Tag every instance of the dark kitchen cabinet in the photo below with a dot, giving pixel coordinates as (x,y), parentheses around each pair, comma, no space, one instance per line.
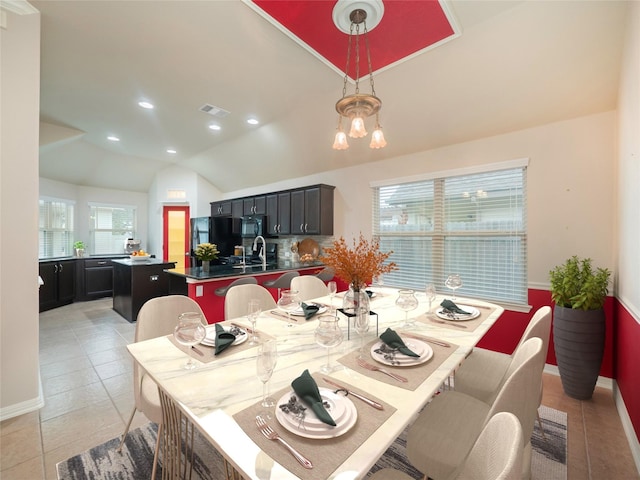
(94,278)
(255,205)
(221,209)
(312,210)
(278,211)
(59,283)
(237,208)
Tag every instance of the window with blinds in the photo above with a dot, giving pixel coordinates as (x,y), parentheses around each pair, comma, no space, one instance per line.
(473,225)
(110,226)
(55,228)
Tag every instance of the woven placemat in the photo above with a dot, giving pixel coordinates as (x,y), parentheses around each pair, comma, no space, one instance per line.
(327,454)
(468,325)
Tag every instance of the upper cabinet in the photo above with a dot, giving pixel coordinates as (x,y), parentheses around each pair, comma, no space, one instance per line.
(312,210)
(221,209)
(255,205)
(279,213)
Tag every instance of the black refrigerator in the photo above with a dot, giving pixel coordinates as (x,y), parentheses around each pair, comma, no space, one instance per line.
(223,231)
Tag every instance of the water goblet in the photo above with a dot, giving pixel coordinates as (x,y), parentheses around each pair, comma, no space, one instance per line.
(453,282)
(430,290)
(289,302)
(328,334)
(189,332)
(333,289)
(407,301)
(253,312)
(265,364)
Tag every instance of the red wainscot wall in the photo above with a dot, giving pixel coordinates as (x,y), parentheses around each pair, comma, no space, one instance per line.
(626,362)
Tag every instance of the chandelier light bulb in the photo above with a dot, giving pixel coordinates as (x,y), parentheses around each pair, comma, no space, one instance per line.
(340,142)
(377,138)
(357,128)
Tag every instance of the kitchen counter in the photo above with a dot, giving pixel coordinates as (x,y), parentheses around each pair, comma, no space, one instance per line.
(217,272)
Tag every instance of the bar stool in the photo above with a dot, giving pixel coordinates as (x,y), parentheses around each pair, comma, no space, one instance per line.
(326,274)
(222,291)
(283,281)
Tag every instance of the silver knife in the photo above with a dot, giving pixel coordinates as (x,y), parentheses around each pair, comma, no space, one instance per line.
(278,314)
(426,339)
(366,400)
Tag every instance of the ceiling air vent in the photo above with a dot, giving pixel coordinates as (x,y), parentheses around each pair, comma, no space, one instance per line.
(214,111)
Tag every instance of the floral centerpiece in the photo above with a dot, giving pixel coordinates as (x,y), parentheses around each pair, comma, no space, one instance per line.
(357,266)
(207,251)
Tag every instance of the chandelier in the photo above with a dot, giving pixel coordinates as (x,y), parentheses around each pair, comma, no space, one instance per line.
(358,106)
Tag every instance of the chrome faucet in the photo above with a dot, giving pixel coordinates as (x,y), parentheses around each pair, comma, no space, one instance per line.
(262,255)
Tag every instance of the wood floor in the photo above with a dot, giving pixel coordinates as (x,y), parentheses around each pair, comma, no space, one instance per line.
(87,376)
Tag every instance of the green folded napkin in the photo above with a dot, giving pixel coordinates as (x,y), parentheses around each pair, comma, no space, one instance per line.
(391,338)
(309,310)
(307,389)
(223,339)
(369,293)
(452,307)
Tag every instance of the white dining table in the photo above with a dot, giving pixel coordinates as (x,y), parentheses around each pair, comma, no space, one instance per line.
(213,392)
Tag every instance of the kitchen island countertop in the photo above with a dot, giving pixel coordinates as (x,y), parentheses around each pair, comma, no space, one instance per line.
(217,272)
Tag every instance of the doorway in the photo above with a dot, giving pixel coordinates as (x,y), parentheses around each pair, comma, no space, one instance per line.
(175,235)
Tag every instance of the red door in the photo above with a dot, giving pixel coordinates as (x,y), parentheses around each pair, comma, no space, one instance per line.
(175,235)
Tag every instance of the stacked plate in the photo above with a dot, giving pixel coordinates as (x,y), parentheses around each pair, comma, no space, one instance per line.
(399,359)
(341,409)
(300,313)
(210,339)
(459,317)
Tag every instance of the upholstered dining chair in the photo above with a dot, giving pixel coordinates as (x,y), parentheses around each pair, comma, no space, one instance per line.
(496,454)
(444,432)
(483,371)
(236,302)
(157,317)
(309,286)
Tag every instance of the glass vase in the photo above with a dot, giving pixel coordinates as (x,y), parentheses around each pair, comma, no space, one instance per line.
(205,265)
(356,305)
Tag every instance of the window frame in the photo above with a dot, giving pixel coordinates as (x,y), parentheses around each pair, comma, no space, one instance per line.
(93,244)
(47,230)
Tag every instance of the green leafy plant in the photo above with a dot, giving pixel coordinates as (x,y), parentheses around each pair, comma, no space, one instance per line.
(79,245)
(207,251)
(575,284)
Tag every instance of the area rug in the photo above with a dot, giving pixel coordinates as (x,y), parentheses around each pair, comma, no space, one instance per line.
(135,462)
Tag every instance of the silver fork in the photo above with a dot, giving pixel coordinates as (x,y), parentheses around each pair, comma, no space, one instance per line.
(375,368)
(271,434)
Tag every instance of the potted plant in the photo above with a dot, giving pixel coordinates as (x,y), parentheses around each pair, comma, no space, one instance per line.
(579,292)
(206,252)
(79,247)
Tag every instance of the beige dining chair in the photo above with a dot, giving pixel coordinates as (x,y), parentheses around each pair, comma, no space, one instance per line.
(157,317)
(236,302)
(308,287)
(483,371)
(444,432)
(496,454)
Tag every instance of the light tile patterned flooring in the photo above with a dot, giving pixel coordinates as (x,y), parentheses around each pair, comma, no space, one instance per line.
(87,381)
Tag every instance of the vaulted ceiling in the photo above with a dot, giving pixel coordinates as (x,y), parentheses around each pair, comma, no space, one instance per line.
(503,66)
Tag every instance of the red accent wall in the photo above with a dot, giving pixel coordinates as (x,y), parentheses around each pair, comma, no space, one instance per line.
(626,361)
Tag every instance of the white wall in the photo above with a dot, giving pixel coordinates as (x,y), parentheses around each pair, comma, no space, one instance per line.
(570,185)
(628,286)
(19,100)
(82,196)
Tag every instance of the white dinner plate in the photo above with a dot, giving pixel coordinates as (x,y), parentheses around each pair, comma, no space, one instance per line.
(473,313)
(300,313)
(400,360)
(210,339)
(341,409)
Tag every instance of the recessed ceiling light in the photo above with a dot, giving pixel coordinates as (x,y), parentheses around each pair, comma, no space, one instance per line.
(113,138)
(215,126)
(171,151)
(253,121)
(145,104)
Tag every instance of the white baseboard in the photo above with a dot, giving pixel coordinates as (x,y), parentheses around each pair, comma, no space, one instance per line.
(27,406)
(634,444)
(603,382)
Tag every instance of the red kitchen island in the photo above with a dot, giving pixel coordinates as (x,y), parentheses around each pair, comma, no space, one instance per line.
(201,286)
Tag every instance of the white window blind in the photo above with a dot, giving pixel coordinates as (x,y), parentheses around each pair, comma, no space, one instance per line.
(55,228)
(110,226)
(473,225)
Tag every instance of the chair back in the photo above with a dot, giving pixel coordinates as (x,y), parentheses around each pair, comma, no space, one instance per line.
(497,453)
(308,287)
(236,302)
(539,326)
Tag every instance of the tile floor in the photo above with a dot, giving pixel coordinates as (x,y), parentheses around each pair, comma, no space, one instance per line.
(87,376)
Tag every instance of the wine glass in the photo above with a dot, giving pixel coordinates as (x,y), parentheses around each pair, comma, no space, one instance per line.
(407,301)
(430,290)
(453,282)
(361,324)
(328,334)
(253,312)
(265,364)
(333,289)
(289,302)
(189,332)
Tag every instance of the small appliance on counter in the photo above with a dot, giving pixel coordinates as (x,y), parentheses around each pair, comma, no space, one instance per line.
(131,245)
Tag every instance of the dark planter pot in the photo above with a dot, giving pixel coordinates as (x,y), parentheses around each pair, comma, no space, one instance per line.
(578,337)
